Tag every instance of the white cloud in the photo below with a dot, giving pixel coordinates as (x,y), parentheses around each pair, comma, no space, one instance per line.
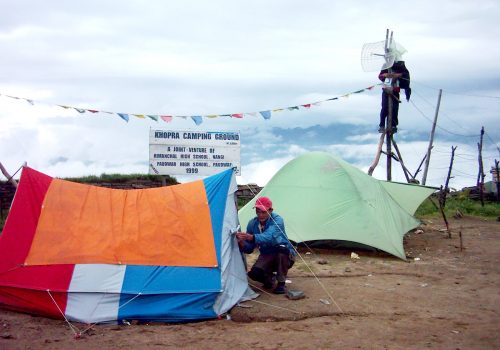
(366,137)
(198,58)
(261,172)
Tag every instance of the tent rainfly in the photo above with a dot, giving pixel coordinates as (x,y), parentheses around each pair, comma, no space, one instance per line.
(93,254)
(322,197)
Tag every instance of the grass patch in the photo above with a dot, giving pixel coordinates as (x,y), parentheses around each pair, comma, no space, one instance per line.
(465,205)
(242,202)
(122,178)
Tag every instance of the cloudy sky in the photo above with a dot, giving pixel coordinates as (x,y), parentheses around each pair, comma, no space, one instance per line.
(193,57)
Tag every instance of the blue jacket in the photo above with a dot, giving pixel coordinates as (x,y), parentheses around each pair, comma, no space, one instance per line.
(271,238)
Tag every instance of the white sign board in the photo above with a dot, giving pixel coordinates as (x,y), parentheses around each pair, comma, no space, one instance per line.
(174,152)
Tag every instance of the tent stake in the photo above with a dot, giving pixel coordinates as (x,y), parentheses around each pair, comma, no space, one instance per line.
(461,241)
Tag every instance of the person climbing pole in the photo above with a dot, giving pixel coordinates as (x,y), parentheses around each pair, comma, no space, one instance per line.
(390,93)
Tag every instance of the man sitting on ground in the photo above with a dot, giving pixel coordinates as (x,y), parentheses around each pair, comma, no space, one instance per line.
(267,232)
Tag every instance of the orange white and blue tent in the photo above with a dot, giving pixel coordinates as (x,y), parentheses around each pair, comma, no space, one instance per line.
(94,254)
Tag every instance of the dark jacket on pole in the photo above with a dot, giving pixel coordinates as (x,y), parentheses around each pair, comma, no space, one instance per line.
(402,82)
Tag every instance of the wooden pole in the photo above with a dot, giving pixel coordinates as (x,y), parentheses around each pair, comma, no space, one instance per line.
(388,134)
(418,169)
(427,160)
(405,170)
(377,157)
(6,174)
(497,181)
(441,209)
(393,156)
(479,157)
(388,128)
(461,240)
(386,41)
(446,190)
(480,175)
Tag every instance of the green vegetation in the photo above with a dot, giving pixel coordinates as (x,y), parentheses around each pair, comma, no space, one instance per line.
(120,178)
(462,203)
(242,202)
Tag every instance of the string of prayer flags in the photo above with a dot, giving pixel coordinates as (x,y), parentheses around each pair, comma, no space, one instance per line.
(198,119)
(124,116)
(266,114)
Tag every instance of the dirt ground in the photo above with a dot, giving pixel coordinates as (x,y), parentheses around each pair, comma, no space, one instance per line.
(441,298)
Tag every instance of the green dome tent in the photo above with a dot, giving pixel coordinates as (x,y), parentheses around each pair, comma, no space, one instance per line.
(322,197)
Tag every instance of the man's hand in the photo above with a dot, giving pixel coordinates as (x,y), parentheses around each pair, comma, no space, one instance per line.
(243,236)
(391,75)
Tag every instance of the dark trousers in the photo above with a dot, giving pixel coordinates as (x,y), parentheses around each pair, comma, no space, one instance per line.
(384,112)
(266,264)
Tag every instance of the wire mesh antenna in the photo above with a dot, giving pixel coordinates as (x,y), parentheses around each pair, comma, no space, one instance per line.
(381,54)
(374,57)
